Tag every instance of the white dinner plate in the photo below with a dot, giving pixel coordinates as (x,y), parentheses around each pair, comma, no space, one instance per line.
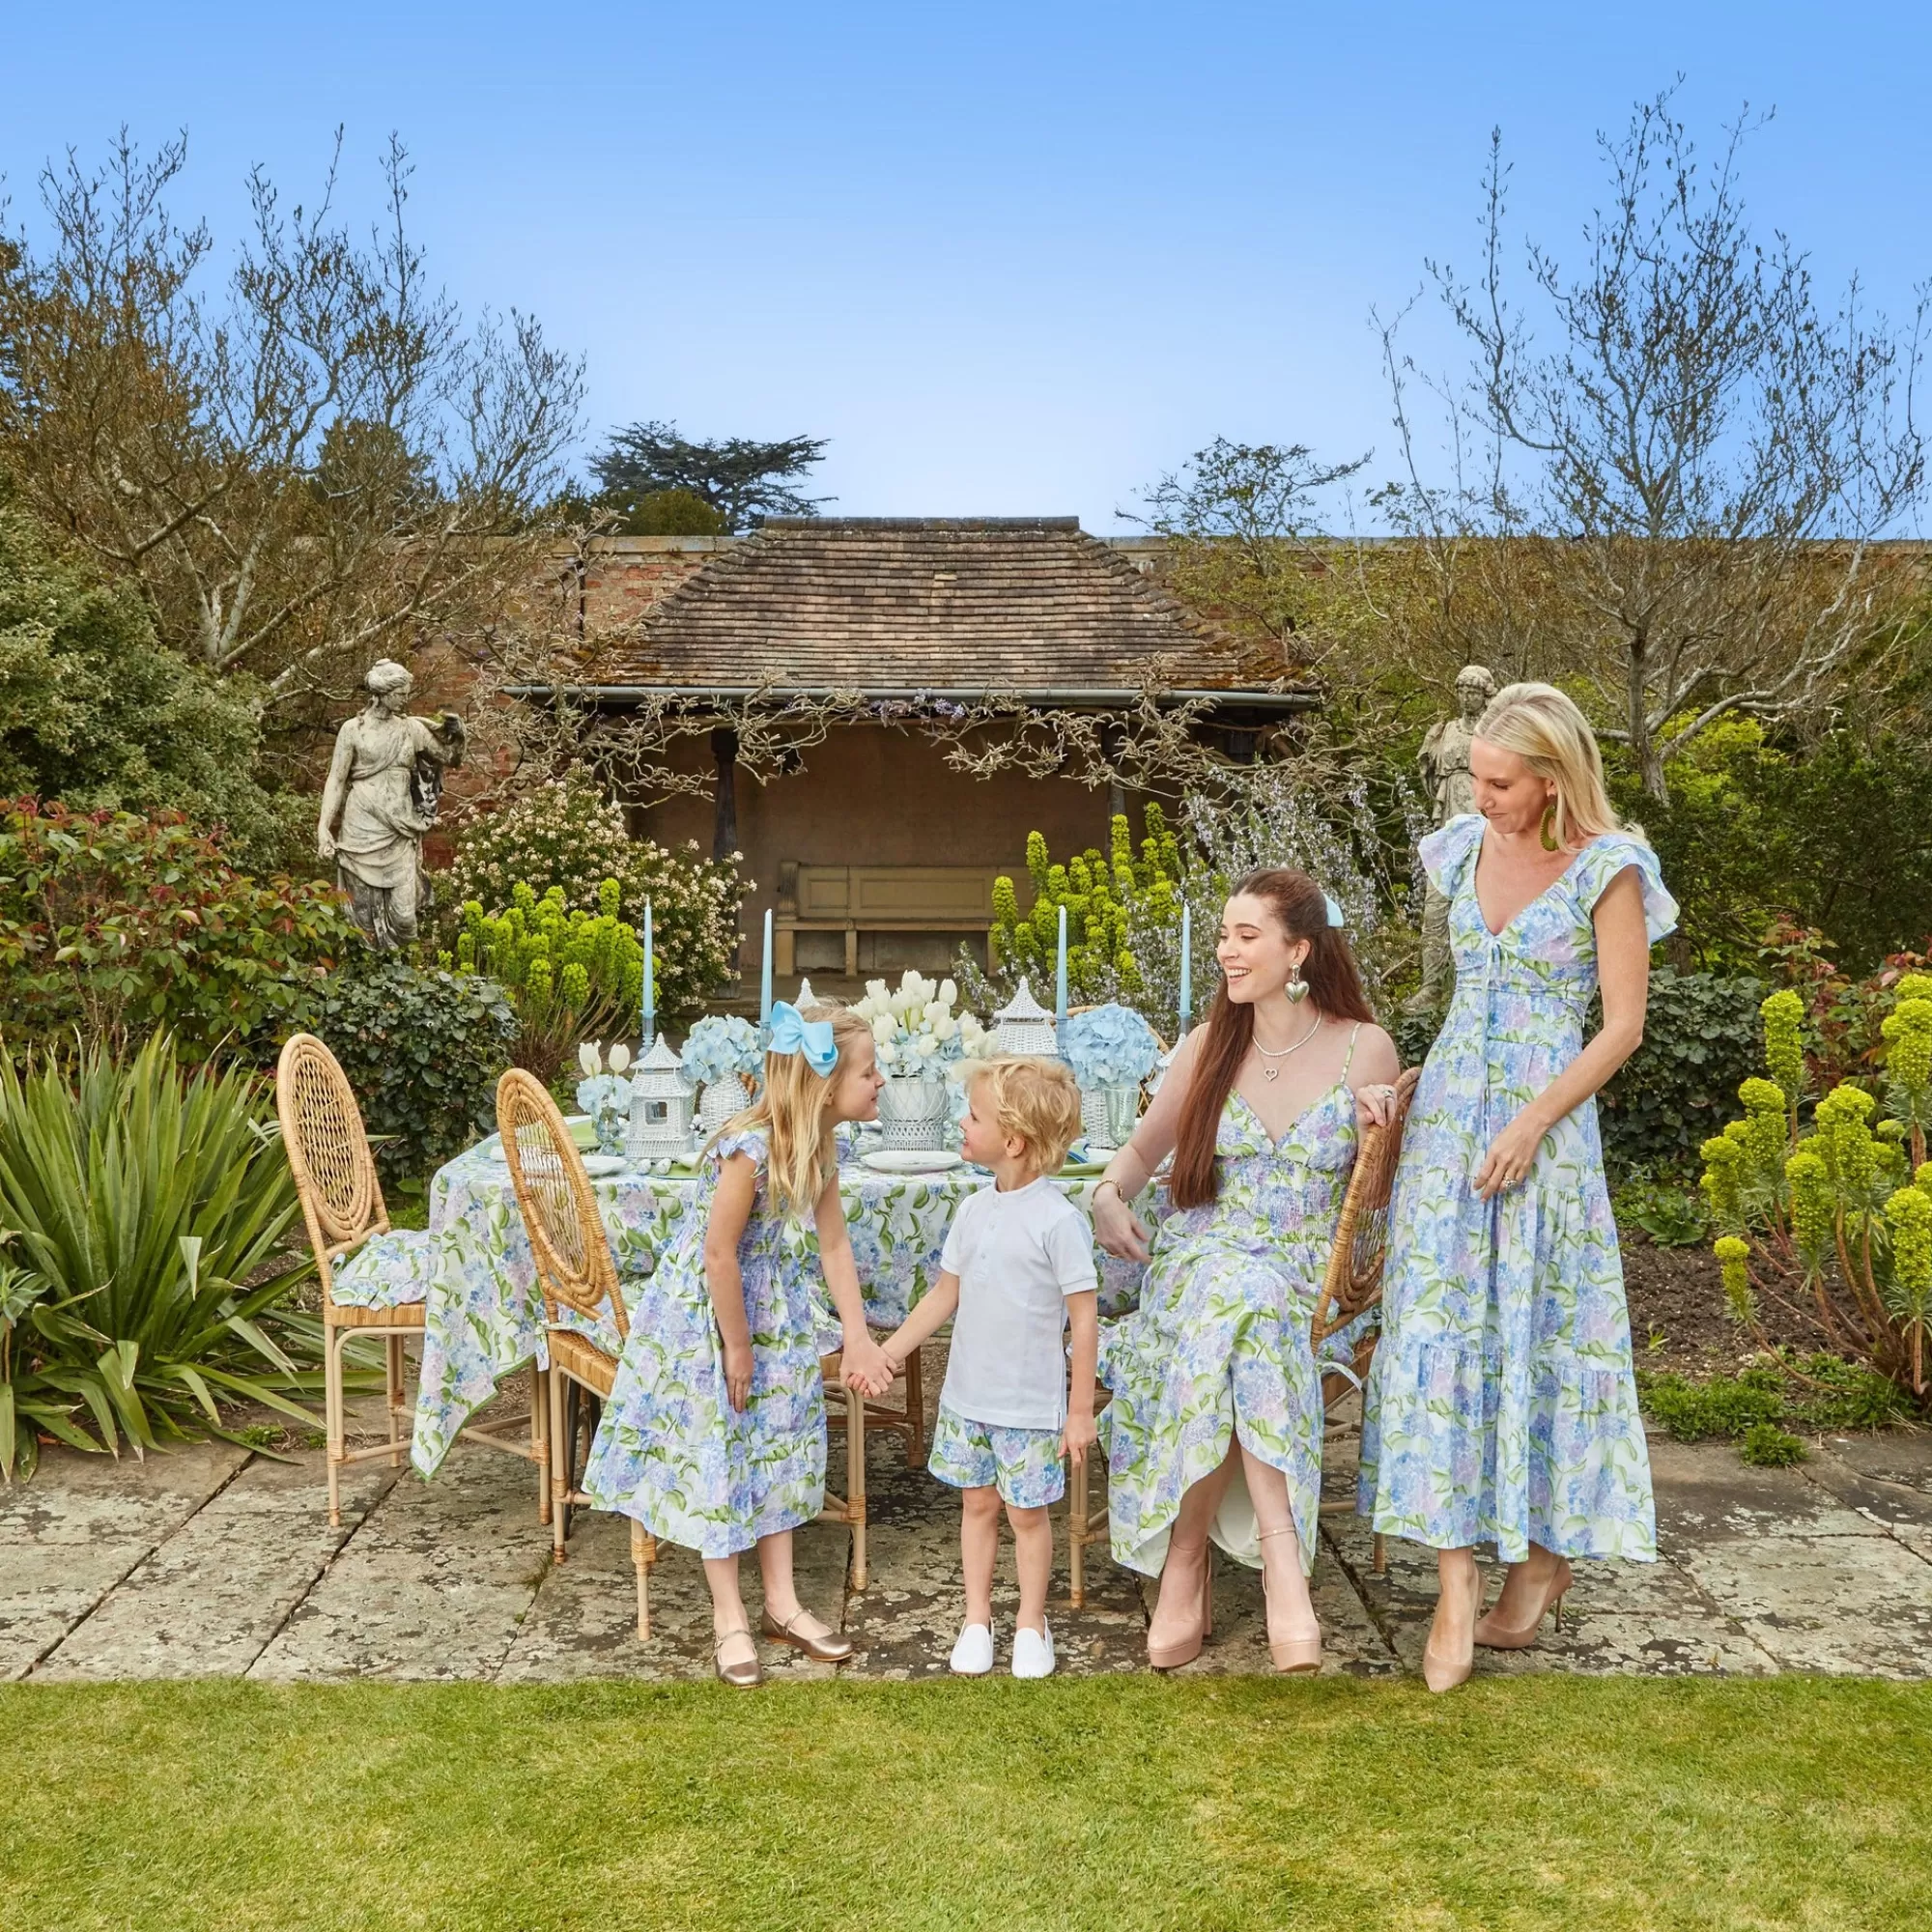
(600,1166)
(911,1161)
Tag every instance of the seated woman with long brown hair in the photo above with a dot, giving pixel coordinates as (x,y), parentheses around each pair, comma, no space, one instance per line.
(1215,1425)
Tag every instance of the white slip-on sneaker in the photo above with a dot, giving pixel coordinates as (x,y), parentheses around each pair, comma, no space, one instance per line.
(973,1652)
(1032,1651)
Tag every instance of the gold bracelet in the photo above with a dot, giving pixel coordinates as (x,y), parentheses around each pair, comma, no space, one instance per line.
(1107,1180)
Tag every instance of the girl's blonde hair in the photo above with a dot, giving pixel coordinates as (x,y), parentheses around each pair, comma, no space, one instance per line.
(794,1114)
(1547,732)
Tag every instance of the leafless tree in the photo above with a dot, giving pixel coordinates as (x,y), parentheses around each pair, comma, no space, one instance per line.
(320,463)
(1701,460)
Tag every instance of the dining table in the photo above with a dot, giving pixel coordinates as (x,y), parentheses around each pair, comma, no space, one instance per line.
(484,1314)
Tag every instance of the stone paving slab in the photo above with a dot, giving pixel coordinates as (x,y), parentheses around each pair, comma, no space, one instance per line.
(209,1599)
(68,1537)
(434,1583)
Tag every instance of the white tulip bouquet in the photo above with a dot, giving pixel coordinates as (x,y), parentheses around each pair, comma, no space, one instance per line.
(918,1029)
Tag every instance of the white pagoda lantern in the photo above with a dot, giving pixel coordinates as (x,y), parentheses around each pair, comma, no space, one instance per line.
(660,1101)
(1025,1026)
(806,996)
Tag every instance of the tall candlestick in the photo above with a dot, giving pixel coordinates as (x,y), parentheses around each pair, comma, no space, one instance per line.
(765,977)
(650,983)
(1186,965)
(1059,972)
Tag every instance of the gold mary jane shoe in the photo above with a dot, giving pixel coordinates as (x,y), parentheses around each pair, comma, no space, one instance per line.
(746,1676)
(829,1649)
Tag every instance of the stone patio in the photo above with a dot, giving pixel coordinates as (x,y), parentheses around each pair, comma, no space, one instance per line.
(215,1561)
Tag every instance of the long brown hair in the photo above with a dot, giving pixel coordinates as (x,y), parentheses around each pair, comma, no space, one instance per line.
(1334,989)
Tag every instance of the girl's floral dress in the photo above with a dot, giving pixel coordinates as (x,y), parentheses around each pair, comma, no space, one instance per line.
(1501,1407)
(1219,1344)
(671,1451)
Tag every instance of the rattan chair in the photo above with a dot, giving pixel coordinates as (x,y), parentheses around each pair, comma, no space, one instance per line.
(350,1234)
(576,1272)
(1352,1284)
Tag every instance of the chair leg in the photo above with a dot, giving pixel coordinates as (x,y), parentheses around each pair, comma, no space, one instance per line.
(1077,1539)
(1381,1555)
(540,1436)
(394,1366)
(855,1480)
(914,1401)
(559,1466)
(331,1418)
(644,1553)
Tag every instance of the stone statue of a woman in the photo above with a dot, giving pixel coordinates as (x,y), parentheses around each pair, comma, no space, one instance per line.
(380,799)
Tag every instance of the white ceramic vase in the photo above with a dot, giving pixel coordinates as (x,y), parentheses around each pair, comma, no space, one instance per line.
(1107,1115)
(913,1114)
(718,1102)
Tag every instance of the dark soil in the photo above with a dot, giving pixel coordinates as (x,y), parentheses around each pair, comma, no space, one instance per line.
(1677,1313)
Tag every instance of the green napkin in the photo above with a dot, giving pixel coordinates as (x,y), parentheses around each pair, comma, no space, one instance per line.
(1081,1170)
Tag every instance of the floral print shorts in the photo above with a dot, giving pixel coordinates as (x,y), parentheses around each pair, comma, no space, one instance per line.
(1023,1464)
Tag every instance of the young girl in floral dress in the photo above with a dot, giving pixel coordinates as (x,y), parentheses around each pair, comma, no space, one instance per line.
(714,1437)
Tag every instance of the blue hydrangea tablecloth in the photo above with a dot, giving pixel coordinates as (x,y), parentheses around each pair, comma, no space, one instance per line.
(483,1317)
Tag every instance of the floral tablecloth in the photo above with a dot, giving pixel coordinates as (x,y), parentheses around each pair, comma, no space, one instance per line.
(483,1317)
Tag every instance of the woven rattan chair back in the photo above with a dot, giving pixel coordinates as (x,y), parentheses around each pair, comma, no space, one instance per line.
(1355,1261)
(328,1152)
(575,1266)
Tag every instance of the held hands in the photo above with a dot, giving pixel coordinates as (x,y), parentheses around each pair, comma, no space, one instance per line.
(1117,1226)
(1079,1436)
(1511,1155)
(866,1366)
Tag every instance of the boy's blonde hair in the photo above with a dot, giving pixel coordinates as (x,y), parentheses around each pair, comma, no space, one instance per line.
(794,1114)
(1553,738)
(1032,1098)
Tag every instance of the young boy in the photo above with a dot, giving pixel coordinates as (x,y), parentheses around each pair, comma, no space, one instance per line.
(1018,1269)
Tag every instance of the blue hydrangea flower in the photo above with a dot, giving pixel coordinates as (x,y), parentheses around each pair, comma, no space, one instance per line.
(1109,1046)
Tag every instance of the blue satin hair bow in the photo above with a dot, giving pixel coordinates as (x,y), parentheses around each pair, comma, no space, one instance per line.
(793,1033)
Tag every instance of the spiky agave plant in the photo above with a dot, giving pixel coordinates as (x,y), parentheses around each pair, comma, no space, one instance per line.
(147,1207)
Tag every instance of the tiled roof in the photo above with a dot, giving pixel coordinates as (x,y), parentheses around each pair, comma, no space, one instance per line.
(947,606)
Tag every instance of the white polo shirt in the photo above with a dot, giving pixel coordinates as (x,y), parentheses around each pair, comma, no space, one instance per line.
(1019,1257)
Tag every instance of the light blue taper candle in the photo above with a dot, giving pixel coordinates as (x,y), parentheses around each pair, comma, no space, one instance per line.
(1186,965)
(650,985)
(1059,972)
(765,977)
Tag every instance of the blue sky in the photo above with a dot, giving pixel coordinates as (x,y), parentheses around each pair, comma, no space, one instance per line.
(1011,259)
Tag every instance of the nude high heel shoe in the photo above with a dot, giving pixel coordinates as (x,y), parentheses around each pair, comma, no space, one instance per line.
(1185,1648)
(1494,1636)
(1291,1655)
(1446,1673)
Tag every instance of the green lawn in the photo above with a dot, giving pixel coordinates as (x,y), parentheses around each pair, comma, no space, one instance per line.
(1552,1802)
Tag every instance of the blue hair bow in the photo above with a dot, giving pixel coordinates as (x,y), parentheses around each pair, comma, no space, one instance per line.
(793,1033)
(1334,911)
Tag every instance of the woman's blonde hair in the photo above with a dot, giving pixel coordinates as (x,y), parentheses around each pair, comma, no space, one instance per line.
(1547,732)
(794,1114)
(1035,1100)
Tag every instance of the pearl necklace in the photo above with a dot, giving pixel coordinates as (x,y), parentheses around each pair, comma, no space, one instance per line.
(1268,1053)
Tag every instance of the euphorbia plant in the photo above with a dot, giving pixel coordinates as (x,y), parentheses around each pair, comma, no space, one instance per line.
(1834,1225)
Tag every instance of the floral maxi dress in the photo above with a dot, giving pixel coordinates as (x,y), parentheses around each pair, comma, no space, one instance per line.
(1501,1407)
(1219,1346)
(670,1450)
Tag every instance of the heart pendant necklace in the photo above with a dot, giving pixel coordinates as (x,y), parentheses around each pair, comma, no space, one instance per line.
(1270,1054)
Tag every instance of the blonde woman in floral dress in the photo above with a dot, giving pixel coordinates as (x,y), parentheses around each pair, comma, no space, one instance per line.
(714,1437)
(1502,1404)
(1214,1430)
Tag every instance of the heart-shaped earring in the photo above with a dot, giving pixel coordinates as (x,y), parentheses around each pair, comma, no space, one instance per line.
(1296,989)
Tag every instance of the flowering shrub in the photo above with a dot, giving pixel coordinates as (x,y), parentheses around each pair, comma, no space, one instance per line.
(1109,1046)
(1834,1225)
(566,835)
(111,924)
(917,1030)
(566,972)
(721,1044)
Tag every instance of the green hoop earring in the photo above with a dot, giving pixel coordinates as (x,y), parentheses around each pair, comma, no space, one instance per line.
(1550,828)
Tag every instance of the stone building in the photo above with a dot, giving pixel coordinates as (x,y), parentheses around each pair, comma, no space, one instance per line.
(874,852)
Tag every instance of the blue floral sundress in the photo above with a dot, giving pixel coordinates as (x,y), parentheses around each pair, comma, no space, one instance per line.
(1501,1408)
(670,1450)
(1219,1346)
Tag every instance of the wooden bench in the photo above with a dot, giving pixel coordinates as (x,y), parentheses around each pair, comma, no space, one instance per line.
(852,899)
